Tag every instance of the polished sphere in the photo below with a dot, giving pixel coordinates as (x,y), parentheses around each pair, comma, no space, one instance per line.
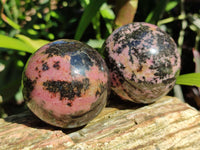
(143,61)
(66,83)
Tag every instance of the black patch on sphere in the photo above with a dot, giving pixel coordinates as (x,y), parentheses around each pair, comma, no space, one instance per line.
(135,42)
(67,89)
(119,50)
(117,36)
(114,68)
(62,47)
(28,87)
(53,50)
(86,84)
(101,90)
(45,66)
(69,104)
(168,81)
(162,68)
(140,33)
(56,65)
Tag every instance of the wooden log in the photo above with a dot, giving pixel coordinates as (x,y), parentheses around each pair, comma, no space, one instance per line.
(165,124)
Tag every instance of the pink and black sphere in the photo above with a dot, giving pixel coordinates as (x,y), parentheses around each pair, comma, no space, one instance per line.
(66,83)
(143,61)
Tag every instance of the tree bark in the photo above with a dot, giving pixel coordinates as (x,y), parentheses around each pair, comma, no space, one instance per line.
(165,124)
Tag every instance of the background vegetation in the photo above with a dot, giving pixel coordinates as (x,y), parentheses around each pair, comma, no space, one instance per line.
(26,25)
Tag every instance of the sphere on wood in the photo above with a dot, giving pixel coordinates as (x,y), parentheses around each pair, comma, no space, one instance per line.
(66,83)
(143,61)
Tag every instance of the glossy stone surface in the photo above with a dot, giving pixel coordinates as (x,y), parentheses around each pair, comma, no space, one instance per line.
(66,83)
(143,61)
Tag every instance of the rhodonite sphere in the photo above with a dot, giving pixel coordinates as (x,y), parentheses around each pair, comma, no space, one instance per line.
(66,83)
(143,61)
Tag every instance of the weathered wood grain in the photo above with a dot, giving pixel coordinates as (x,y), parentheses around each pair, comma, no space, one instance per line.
(166,124)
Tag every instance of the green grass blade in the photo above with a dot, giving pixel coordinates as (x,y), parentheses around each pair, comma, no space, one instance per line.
(35,44)
(157,13)
(10,22)
(89,13)
(23,43)
(12,43)
(191,79)
(171,5)
(95,43)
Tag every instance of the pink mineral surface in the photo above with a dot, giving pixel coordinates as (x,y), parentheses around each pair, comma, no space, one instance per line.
(66,83)
(143,61)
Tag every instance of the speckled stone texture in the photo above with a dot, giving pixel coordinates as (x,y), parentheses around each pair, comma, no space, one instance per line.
(143,61)
(66,83)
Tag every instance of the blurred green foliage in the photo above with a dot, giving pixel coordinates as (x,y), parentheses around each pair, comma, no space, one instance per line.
(27,25)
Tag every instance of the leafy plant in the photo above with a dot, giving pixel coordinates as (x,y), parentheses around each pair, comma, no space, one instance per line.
(27,25)
(192,79)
